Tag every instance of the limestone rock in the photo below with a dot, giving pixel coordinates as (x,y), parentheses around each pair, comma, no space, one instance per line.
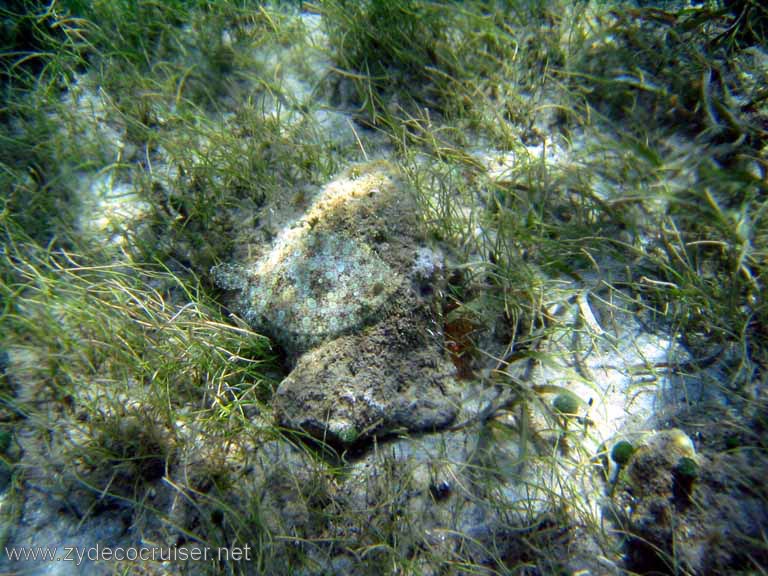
(387,378)
(669,523)
(332,271)
(319,287)
(348,290)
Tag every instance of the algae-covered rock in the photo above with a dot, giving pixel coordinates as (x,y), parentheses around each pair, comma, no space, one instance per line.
(651,466)
(681,505)
(385,379)
(347,291)
(322,277)
(316,287)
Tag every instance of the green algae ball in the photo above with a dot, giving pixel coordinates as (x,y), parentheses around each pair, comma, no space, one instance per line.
(5,441)
(6,476)
(732,442)
(348,434)
(566,404)
(622,452)
(687,469)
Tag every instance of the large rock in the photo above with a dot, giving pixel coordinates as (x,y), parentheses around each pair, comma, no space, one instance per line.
(389,377)
(347,291)
(320,287)
(332,271)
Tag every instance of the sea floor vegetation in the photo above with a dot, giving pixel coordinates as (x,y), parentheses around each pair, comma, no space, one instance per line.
(385,286)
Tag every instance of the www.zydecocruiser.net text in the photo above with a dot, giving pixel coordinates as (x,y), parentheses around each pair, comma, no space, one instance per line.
(80,554)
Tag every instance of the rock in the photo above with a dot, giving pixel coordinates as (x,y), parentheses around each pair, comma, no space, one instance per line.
(689,528)
(347,291)
(321,286)
(650,469)
(331,272)
(389,377)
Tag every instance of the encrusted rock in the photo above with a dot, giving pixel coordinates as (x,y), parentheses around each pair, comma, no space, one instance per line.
(389,377)
(688,526)
(331,272)
(347,291)
(316,287)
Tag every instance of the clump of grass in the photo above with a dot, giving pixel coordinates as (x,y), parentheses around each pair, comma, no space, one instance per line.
(121,358)
(37,198)
(630,198)
(219,174)
(671,69)
(124,324)
(163,77)
(659,208)
(464,59)
(385,46)
(34,49)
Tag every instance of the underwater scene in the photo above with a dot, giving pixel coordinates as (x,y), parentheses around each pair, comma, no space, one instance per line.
(365,287)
